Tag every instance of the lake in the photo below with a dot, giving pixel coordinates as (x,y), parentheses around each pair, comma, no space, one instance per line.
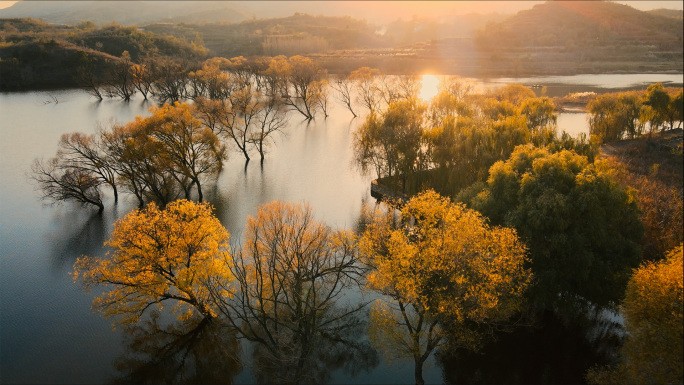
(48,333)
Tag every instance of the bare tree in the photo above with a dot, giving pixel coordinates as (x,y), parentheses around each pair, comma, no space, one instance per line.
(121,82)
(289,283)
(345,88)
(272,118)
(60,183)
(88,153)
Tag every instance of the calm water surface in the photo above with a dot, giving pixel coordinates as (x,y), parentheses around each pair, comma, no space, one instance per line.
(47,332)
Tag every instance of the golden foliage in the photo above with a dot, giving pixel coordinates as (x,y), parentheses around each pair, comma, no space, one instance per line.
(654,309)
(654,322)
(447,259)
(443,266)
(159,255)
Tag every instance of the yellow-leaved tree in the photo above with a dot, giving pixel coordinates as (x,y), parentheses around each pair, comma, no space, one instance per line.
(654,321)
(439,266)
(160,256)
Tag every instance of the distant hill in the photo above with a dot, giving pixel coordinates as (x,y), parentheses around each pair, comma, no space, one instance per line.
(150,11)
(35,54)
(597,23)
(584,36)
(673,13)
(296,34)
(125,12)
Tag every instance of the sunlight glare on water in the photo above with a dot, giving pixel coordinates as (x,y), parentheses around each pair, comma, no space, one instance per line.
(429,87)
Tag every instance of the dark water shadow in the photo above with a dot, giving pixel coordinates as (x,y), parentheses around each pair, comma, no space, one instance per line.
(557,350)
(194,351)
(314,358)
(76,237)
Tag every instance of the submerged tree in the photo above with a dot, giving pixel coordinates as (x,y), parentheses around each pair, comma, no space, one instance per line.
(345,91)
(304,77)
(60,183)
(441,266)
(291,276)
(160,256)
(391,143)
(368,91)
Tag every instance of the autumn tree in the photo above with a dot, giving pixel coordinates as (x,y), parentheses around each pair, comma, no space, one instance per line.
(290,278)
(78,171)
(321,95)
(345,91)
(159,256)
(398,87)
(89,154)
(60,183)
(453,100)
(170,79)
(614,116)
(303,78)
(143,77)
(89,81)
(121,81)
(658,100)
(676,109)
(368,91)
(160,157)
(140,168)
(193,149)
(540,113)
(440,266)
(581,227)
(237,118)
(654,319)
(271,118)
(391,143)
(211,81)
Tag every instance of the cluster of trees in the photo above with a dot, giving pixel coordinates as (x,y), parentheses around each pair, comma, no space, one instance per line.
(295,82)
(503,158)
(159,158)
(451,143)
(284,288)
(581,227)
(621,115)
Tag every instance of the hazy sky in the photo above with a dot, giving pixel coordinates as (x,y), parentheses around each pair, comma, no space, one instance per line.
(436,8)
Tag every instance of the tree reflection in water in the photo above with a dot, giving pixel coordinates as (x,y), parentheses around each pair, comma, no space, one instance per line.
(290,297)
(559,350)
(312,360)
(195,351)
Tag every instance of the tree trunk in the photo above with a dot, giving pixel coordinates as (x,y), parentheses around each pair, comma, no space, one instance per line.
(200,197)
(418,371)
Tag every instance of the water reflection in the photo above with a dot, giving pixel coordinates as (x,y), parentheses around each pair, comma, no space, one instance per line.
(558,350)
(194,351)
(314,359)
(71,242)
(290,297)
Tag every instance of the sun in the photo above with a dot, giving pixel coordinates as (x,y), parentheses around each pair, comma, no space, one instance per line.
(429,87)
